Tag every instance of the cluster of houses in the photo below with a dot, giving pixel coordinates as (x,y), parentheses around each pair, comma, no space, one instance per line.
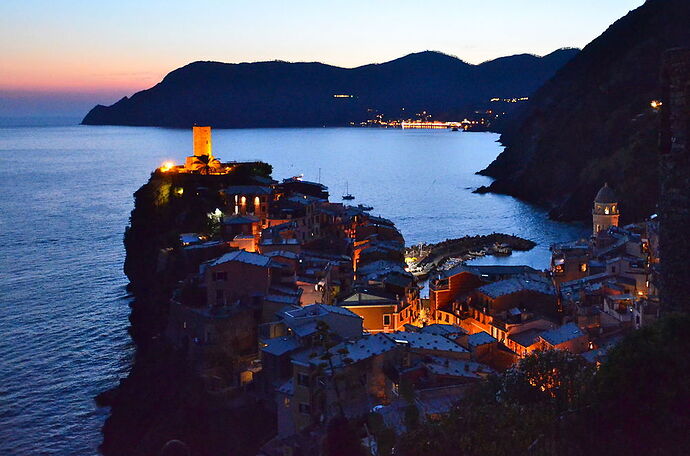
(596,290)
(307,304)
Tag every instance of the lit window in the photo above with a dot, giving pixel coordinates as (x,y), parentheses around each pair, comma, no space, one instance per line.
(583,267)
(244,200)
(606,210)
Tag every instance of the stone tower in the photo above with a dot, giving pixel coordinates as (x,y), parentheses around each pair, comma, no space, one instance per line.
(202,161)
(674,198)
(605,213)
(202,141)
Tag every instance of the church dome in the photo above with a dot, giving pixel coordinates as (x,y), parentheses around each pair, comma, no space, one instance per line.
(606,195)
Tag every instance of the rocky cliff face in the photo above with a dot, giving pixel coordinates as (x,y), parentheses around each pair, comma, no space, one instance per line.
(593,123)
(161,399)
(281,94)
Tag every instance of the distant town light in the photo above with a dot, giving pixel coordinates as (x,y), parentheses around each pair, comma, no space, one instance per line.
(656,104)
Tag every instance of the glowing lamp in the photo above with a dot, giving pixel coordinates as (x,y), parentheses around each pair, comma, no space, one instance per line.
(167,166)
(656,104)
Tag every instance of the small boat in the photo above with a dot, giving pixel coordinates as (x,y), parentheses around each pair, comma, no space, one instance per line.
(347,196)
(364,208)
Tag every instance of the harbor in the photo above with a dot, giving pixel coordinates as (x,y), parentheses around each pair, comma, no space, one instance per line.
(425,259)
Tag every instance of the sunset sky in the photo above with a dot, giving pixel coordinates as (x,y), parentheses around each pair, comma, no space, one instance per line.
(61,57)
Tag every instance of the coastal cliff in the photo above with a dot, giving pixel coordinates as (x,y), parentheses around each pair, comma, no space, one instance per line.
(593,123)
(282,94)
(162,399)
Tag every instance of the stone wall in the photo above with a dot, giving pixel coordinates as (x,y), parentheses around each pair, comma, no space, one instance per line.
(674,204)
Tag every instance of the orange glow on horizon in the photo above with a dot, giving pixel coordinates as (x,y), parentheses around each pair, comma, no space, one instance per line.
(38,76)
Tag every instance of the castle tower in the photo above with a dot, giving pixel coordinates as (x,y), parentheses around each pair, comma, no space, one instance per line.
(202,161)
(605,213)
(202,141)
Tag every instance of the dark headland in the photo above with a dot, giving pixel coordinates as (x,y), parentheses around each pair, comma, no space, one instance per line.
(594,121)
(282,94)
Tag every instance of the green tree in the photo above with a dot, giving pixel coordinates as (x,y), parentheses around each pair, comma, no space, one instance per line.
(642,392)
(554,377)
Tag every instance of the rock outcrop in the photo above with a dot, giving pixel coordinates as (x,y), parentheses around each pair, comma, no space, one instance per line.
(593,122)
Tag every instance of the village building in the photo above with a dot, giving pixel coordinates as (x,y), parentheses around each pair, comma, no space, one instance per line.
(296,328)
(451,286)
(380,310)
(606,212)
(315,394)
(567,337)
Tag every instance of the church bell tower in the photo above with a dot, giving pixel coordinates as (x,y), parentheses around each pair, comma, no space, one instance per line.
(605,213)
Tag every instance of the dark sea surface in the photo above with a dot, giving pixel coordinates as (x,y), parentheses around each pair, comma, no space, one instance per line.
(66,194)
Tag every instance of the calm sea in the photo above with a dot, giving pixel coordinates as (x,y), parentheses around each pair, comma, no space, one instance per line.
(65,198)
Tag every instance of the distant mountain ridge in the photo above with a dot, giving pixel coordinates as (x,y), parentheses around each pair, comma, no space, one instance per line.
(282,94)
(593,123)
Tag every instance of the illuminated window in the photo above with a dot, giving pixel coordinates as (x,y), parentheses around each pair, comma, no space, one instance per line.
(256,201)
(606,210)
(583,267)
